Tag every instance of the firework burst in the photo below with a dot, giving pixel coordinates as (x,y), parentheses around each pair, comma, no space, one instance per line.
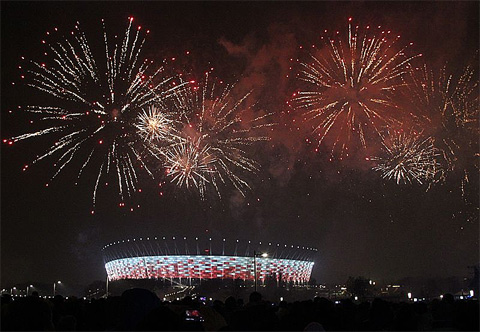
(97,105)
(350,85)
(215,128)
(448,106)
(154,124)
(188,164)
(408,158)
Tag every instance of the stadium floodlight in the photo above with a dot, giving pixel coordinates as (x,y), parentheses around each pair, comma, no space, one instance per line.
(255,255)
(55,286)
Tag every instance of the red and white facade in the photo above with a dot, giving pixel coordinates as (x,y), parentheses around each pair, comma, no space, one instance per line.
(208,267)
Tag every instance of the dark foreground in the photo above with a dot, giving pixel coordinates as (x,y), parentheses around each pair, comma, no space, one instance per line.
(139,309)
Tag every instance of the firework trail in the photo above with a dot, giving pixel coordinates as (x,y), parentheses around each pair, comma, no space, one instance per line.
(449,106)
(350,85)
(99,106)
(215,130)
(408,158)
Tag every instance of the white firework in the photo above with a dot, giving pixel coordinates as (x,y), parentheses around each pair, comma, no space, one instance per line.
(189,164)
(96,100)
(155,125)
(408,158)
(215,129)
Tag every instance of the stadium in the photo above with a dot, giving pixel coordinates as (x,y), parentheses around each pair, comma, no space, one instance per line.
(193,259)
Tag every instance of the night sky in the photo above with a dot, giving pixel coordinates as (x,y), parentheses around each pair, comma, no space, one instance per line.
(360,223)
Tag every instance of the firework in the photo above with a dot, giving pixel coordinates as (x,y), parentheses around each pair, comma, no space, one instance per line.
(154,124)
(189,164)
(448,106)
(408,158)
(350,85)
(101,103)
(215,128)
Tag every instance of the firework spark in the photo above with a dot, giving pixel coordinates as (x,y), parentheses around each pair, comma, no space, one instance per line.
(351,85)
(97,104)
(189,164)
(215,129)
(408,158)
(154,124)
(448,106)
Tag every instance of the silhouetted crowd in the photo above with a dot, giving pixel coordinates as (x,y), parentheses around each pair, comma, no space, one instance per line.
(141,310)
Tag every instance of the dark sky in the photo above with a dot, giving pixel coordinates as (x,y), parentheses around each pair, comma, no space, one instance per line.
(361,224)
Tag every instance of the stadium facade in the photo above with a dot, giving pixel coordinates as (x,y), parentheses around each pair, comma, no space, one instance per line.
(206,258)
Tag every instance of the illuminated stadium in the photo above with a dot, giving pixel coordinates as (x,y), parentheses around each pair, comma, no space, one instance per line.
(195,259)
